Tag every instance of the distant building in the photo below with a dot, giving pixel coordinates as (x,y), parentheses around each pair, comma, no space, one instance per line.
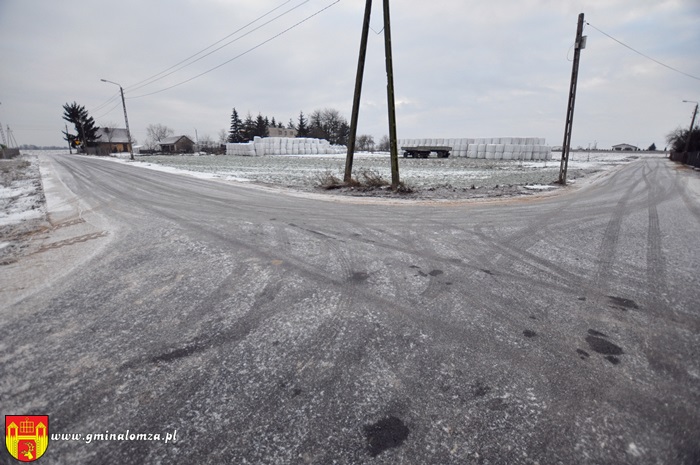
(110,140)
(281,132)
(625,148)
(177,144)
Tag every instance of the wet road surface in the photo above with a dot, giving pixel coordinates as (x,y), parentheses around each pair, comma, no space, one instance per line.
(268,328)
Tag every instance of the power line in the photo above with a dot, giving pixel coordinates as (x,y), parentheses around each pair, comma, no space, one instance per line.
(177,66)
(109,111)
(105,103)
(644,55)
(241,54)
(210,46)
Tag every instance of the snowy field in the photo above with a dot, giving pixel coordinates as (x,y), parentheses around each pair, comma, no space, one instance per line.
(448,176)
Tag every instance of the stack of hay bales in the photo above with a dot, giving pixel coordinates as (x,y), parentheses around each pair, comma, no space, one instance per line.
(494,148)
(497,148)
(262,146)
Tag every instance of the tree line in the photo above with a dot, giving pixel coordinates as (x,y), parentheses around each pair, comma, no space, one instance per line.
(326,124)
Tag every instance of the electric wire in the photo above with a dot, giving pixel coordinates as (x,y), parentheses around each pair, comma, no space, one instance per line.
(210,46)
(108,111)
(154,79)
(239,55)
(644,55)
(105,103)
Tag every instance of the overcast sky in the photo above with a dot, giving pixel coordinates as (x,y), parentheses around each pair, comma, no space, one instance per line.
(462,68)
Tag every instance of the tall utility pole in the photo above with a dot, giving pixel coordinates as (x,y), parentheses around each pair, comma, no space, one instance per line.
(70,149)
(390,99)
(578,46)
(692,123)
(358,92)
(390,95)
(126,118)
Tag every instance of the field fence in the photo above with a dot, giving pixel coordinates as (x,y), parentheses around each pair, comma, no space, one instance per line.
(688,158)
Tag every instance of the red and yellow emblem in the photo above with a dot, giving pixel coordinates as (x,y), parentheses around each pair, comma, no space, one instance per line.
(26,436)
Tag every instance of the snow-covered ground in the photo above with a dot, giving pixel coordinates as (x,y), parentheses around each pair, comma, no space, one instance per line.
(447,176)
(22,205)
(21,196)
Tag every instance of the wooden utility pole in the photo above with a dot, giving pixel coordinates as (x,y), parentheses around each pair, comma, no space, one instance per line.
(70,149)
(690,131)
(358,92)
(390,99)
(578,46)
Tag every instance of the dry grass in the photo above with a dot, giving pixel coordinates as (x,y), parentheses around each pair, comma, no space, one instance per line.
(366,181)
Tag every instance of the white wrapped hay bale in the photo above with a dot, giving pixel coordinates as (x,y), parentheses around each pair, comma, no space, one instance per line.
(490,151)
(507,155)
(481,151)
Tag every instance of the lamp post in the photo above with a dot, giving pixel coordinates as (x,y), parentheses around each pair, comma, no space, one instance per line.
(126,118)
(692,123)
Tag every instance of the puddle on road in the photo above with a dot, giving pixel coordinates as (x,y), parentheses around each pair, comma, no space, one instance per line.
(385,434)
(602,346)
(359,277)
(622,303)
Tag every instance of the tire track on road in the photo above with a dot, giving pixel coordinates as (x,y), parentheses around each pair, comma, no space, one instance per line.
(608,246)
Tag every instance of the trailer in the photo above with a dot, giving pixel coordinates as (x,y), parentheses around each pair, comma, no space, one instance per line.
(424,151)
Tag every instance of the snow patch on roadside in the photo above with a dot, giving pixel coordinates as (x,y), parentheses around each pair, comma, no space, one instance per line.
(539,187)
(21,199)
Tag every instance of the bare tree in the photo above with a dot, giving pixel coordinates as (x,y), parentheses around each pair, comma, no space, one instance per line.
(223,136)
(384,144)
(329,124)
(156,133)
(365,143)
(206,143)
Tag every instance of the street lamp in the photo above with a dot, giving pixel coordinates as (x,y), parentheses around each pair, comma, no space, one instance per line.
(692,123)
(126,119)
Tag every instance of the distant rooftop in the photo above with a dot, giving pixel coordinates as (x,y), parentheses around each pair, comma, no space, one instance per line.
(112,135)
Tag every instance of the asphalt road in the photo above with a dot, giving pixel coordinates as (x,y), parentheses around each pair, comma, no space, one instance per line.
(278,329)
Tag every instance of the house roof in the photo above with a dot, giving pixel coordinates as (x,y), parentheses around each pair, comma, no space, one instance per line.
(173,140)
(625,145)
(112,135)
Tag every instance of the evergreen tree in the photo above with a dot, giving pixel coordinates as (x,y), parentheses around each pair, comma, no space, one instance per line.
(235,134)
(273,123)
(302,126)
(248,129)
(261,125)
(86,131)
(290,125)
